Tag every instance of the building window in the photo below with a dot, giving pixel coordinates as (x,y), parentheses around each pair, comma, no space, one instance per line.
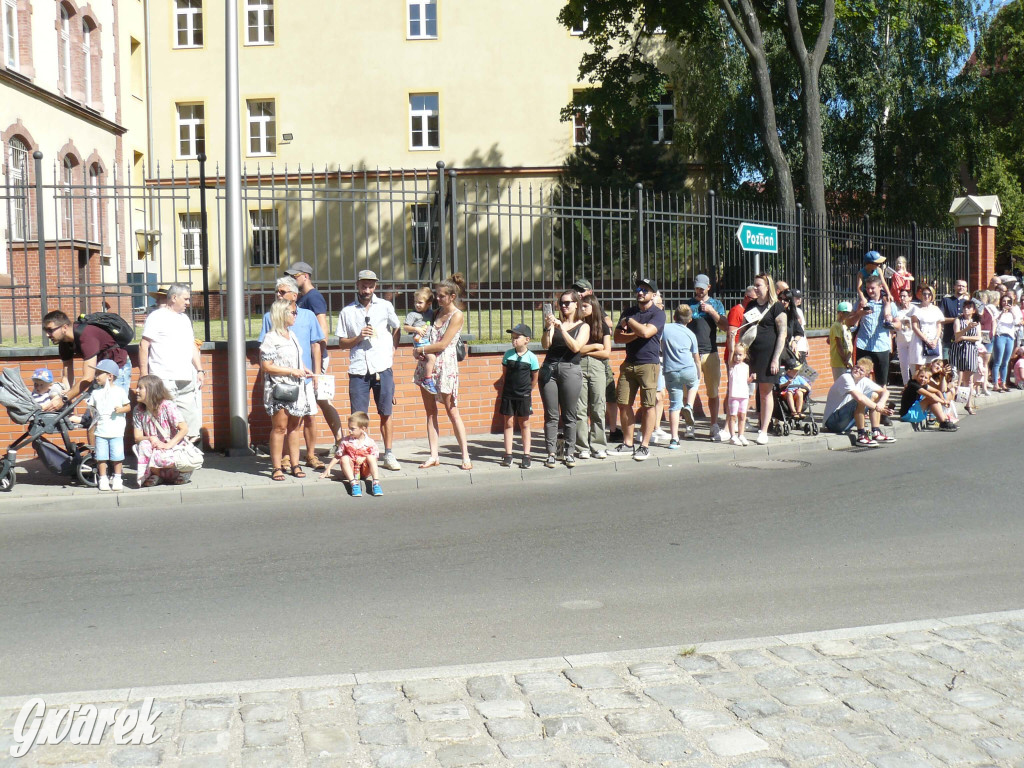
(188,21)
(191,131)
(191,239)
(662,120)
(64,51)
(580,124)
(17,178)
(580,25)
(421,232)
(424,121)
(422,19)
(137,70)
(87,61)
(10,32)
(93,194)
(259,22)
(264,238)
(262,127)
(67,210)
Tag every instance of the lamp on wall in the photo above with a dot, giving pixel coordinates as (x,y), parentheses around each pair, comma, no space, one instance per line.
(146,240)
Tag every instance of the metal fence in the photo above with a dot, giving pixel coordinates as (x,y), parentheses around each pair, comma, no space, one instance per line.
(88,243)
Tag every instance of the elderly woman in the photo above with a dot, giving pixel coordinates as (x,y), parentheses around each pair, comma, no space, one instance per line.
(766,349)
(682,371)
(561,377)
(287,386)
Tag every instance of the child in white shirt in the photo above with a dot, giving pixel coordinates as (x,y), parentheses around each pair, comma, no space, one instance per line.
(739,394)
(109,404)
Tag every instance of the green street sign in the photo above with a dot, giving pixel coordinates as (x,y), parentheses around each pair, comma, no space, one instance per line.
(757,237)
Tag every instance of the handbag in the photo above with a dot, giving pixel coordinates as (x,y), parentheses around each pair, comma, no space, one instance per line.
(188,457)
(749,335)
(285,392)
(915,414)
(460,350)
(928,351)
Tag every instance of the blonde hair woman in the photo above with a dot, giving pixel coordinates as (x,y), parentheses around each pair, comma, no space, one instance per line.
(764,352)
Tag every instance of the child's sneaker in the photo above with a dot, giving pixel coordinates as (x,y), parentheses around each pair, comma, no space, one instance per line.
(688,415)
(881,437)
(735,440)
(506,461)
(116,483)
(355,489)
(743,441)
(866,439)
(429,385)
(375,489)
(526,463)
(104,483)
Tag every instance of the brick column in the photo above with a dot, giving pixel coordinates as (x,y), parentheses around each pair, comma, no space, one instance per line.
(978,216)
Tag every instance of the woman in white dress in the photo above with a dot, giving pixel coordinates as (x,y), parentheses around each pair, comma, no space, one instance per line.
(903,324)
(927,323)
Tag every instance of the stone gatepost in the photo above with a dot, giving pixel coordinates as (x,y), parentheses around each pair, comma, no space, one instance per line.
(978,215)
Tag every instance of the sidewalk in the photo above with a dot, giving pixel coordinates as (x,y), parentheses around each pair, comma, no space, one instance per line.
(225,479)
(911,695)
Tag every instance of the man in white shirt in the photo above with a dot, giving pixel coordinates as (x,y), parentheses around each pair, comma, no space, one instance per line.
(168,350)
(369,329)
(851,398)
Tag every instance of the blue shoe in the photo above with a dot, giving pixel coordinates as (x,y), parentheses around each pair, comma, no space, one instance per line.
(376,490)
(429,385)
(673,444)
(356,489)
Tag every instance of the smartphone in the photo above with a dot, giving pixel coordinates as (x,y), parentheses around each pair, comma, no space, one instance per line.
(546,309)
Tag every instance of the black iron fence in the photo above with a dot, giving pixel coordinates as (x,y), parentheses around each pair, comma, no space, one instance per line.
(83,244)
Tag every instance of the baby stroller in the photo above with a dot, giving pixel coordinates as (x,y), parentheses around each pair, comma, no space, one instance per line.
(784,421)
(72,460)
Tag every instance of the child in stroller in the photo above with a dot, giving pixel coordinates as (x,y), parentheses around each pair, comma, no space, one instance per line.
(792,398)
(69,458)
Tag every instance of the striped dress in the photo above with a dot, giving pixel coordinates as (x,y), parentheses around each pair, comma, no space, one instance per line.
(963,355)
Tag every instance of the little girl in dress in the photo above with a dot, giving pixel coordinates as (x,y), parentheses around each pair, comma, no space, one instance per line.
(739,395)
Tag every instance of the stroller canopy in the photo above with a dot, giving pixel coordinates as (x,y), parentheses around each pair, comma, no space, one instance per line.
(15,397)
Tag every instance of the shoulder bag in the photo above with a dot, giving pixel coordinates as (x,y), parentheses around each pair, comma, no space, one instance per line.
(187,456)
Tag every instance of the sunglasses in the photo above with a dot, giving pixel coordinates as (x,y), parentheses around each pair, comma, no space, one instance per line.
(294,313)
(641,289)
(51,331)
(567,303)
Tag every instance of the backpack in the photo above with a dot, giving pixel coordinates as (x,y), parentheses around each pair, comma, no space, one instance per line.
(112,323)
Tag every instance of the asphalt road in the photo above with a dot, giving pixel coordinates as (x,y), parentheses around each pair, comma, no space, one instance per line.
(925,528)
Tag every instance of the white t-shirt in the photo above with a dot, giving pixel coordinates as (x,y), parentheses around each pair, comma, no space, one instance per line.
(906,331)
(377,353)
(1006,322)
(930,319)
(738,375)
(171,344)
(839,394)
(103,400)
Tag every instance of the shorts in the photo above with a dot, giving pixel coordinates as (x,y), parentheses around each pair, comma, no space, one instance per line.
(842,418)
(634,376)
(711,367)
(678,381)
(737,405)
(382,385)
(516,406)
(109,449)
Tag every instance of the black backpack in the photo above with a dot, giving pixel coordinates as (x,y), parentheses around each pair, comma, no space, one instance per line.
(112,323)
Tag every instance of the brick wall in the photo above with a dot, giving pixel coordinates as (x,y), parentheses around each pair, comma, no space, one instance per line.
(479,377)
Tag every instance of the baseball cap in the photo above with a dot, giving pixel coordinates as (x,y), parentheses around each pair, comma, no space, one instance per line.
(796,293)
(874,257)
(649,282)
(43,374)
(299,267)
(582,284)
(702,281)
(845,306)
(522,329)
(108,366)
(366,274)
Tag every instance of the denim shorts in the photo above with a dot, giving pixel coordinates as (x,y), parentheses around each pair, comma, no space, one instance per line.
(677,381)
(109,448)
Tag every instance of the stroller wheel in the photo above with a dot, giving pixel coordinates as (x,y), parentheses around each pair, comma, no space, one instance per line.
(814,429)
(785,429)
(7,477)
(85,471)
(807,429)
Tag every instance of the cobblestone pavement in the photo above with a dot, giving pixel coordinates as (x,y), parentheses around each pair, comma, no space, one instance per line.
(930,693)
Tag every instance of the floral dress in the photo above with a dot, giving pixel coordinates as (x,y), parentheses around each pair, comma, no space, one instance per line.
(446,367)
(163,425)
(284,351)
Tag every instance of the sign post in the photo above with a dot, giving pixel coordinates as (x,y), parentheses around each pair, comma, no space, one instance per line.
(758,239)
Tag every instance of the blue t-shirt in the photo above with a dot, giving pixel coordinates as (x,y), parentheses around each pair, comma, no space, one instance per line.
(644,351)
(703,327)
(679,345)
(314,301)
(306,329)
(795,383)
(872,335)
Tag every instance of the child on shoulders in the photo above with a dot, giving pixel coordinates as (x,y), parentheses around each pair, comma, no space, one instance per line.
(357,453)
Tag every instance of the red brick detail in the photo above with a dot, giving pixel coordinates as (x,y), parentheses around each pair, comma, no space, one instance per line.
(981,250)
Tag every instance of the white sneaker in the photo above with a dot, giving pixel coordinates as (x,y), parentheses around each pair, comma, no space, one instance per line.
(116,483)
(717,435)
(599,454)
(744,441)
(104,483)
(390,462)
(735,440)
(689,434)
(762,438)
(660,435)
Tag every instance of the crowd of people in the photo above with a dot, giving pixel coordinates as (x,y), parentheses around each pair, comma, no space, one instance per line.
(950,350)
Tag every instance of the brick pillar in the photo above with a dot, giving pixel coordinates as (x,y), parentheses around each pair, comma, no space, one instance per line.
(978,216)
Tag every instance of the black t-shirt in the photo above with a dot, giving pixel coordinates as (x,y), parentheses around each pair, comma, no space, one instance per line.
(559,352)
(911,393)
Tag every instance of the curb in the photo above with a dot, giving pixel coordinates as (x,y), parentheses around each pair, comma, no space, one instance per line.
(552,663)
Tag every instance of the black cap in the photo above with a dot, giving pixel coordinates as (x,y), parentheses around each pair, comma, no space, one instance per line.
(522,329)
(649,282)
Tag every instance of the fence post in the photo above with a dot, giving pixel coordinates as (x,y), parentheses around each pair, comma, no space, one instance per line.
(204,248)
(801,260)
(867,233)
(913,247)
(713,233)
(441,244)
(455,221)
(641,256)
(37,156)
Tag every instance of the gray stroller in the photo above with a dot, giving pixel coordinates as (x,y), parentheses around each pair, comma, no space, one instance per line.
(70,458)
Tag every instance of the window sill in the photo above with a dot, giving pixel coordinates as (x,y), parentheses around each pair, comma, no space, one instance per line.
(424,149)
(421,37)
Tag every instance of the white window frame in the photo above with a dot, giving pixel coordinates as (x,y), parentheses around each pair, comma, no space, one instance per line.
(420,117)
(10,34)
(17,178)
(86,62)
(67,208)
(262,127)
(262,32)
(92,192)
(665,106)
(65,49)
(188,18)
(422,19)
(191,225)
(191,124)
(262,230)
(581,123)
(582,27)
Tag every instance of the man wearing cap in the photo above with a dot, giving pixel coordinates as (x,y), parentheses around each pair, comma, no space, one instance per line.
(951,307)
(639,328)
(708,318)
(311,343)
(92,344)
(873,319)
(585,288)
(310,298)
(167,349)
(369,329)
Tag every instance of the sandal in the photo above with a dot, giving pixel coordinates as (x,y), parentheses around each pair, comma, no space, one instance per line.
(286,464)
(297,472)
(315,464)
(466,465)
(277,474)
(430,463)
(971,410)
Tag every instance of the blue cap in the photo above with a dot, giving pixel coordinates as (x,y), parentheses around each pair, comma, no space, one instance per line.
(108,366)
(874,257)
(43,374)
